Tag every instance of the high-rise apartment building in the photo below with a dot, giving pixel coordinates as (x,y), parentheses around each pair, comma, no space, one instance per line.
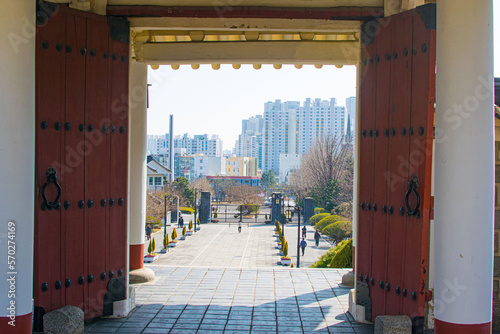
(199,144)
(249,143)
(254,123)
(350,105)
(290,128)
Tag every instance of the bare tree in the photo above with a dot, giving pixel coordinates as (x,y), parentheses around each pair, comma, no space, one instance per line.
(245,194)
(202,184)
(222,187)
(325,173)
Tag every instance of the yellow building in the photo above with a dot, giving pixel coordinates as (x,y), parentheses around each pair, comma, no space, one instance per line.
(241,166)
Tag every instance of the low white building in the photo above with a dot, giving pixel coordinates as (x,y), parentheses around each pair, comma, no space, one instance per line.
(205,166)
(157,174)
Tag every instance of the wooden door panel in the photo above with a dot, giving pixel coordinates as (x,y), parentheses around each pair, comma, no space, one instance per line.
(118,105)
(397,180)
(382,108)
(97,162)
(393,246)
(74,159)
(78,247)
(50,90)
(422,118)
(367,121)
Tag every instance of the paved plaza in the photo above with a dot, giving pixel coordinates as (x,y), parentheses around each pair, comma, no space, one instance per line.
(220,245)
(222,281)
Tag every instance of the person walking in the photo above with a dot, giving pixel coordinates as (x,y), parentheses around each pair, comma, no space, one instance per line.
(148,231)
(304,231)
(181,222)
(303,245)
(317,236)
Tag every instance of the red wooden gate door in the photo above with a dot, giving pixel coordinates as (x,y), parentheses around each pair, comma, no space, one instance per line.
(397,114)
(81,162)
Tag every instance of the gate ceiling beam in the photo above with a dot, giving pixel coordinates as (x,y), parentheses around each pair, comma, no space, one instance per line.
(331,13)
(280,3)
(244,24)
(276,52)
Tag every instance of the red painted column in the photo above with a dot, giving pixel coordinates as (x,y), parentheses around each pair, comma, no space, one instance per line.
(464,168)
(17,167)
(137,162)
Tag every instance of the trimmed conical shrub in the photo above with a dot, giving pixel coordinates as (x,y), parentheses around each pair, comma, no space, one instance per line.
(174,234)
(184,231)
(285,249)
(154,245)
(190,225)
(150,246)
(165,241)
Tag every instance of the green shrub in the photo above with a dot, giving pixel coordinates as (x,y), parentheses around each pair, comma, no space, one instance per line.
(338,231)
(150,246)
(190,225)
(250,208)
(343,257)
(344,209)
(330,219)
(285,249)
(174,234)
(325,259)
(187,211)
(154,221)
(319,210)
(184,231)
(165,241)
(316,218)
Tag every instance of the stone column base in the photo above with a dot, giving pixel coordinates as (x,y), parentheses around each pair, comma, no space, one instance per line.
(122,308)
(357,311)
(142,275)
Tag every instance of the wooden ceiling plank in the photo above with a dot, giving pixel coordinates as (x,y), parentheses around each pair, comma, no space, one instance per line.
(265,52)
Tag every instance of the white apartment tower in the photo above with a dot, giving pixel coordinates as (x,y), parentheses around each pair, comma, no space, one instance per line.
(249,143)
(199,144)
(350,104)
(290,128)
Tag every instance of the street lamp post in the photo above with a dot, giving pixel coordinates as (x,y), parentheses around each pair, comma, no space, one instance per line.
(195,209)
(298,237)
(165,218)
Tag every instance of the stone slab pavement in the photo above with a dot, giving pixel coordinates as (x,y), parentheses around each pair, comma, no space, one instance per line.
(222,281)
(221,245)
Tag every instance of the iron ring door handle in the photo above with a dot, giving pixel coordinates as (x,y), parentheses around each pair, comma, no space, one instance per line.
(51,177)
(412,188)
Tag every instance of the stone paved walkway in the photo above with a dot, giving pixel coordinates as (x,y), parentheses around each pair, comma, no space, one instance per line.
(222,281)
(221,245)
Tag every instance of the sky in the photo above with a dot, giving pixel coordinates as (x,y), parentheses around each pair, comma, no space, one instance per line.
(216,101)
(207,101)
